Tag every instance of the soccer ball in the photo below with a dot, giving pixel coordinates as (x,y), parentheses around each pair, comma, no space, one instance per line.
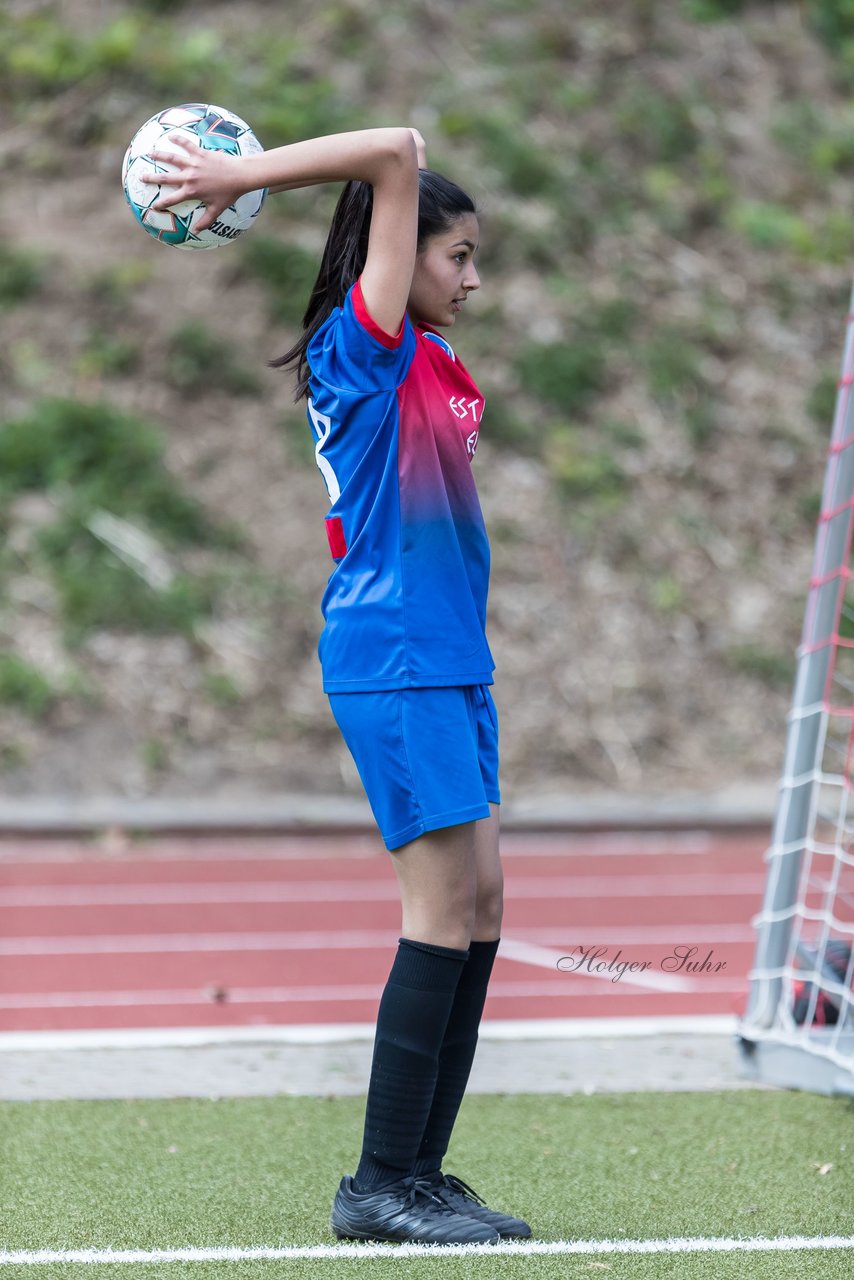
(215,129)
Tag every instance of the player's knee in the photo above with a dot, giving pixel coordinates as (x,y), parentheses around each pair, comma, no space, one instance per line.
(461,911)
(446,920)
(490,908)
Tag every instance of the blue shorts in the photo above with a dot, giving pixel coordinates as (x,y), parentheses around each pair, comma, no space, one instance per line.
(427,758)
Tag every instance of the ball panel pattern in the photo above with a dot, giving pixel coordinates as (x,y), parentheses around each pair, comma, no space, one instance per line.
(213,128)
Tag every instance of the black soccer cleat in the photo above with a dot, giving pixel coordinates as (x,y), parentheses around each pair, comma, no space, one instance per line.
(458,1195)
(406,1211)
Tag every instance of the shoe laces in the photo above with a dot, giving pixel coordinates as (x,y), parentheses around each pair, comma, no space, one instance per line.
(462,1188)
(416,1187)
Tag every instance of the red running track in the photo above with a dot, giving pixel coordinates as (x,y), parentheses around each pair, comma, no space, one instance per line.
(292,930)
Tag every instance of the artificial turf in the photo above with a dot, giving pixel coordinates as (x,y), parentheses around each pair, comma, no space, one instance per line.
(153,1174)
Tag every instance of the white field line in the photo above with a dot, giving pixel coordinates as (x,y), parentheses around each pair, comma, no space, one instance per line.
(493,1029)
(748,885)
(357,940)
(526,1248)
(201,998)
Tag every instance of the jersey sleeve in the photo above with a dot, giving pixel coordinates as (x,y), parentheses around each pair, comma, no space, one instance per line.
(350,352)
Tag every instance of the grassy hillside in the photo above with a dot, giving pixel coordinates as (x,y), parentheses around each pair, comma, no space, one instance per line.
(667,229)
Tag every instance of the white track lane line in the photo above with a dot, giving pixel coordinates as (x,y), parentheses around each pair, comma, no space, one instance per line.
(743,884)
(599,968)
(521,1248)
(200,943)
(357,940)
(202,998)
(516,1029)
(679,885)
(275,850)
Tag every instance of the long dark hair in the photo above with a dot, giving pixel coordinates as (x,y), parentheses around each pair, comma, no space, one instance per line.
(440,203)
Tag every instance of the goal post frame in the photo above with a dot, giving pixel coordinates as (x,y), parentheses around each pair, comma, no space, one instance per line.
(816,1058)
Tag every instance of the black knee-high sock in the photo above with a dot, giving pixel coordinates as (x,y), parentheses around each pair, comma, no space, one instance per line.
(413,1015)
(456,1056)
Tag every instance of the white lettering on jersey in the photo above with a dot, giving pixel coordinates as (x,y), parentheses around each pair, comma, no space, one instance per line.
(471,442)
(462,407)
(322,427)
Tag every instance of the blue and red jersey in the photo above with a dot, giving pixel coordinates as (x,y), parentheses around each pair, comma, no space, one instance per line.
(396,423)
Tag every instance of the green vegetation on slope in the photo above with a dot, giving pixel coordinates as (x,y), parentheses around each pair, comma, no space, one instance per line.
(666,202)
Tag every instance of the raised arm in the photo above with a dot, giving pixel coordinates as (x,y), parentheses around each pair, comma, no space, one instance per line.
(421,152)
(388,159)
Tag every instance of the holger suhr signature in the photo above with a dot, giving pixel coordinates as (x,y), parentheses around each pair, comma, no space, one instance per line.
(681,959)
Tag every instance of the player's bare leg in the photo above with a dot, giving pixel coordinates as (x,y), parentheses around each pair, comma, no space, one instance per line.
(438,879)
(489,902)
(451,884)
(467,857)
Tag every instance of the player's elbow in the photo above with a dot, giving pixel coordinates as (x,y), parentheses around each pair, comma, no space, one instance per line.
(397,152)
(404,146)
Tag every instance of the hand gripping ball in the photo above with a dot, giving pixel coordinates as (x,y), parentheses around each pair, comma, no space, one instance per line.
(212,127)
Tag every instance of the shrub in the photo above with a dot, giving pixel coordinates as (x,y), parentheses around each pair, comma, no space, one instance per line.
(287,273)
(821,402)
(98,456)
(221,689)
(106,355)
(713,10)
(770,226)
(833,20)
(197,361)
(24,687)
(772,668)
(21,275)
(583,473)
(96,589)
(658,125)
(564,375)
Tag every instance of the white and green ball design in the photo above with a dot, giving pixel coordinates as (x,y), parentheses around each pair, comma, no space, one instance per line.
(212,127)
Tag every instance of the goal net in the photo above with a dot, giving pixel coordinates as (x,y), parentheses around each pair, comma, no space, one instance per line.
(798,1029)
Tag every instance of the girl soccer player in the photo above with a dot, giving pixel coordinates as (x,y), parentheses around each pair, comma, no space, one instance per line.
(406,664)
